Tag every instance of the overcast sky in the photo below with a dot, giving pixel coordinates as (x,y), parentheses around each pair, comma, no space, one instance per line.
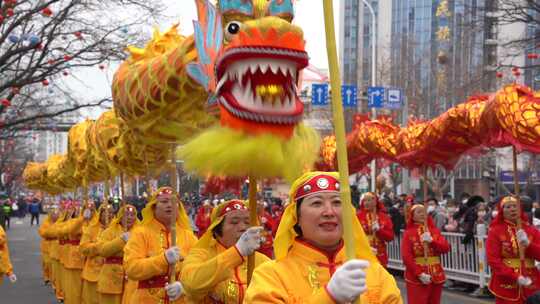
(309,16)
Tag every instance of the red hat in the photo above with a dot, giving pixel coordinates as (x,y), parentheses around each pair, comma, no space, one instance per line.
(317,184)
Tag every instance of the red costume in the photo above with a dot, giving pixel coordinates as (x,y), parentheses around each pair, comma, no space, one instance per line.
(202,221)
(503,258)
(377,239)
(412,251)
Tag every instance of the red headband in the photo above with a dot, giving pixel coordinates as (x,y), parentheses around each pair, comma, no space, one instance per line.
(165,191)
(317,184)
(232,206)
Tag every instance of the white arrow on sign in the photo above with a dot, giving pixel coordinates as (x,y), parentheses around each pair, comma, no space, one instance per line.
(319,92)
(349,93)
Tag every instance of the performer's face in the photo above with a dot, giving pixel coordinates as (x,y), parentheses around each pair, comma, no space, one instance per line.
(510,211)
(320,219)
(130,217)
(164,209)
(234,224)
(106,216)
(369,203)
(419,214)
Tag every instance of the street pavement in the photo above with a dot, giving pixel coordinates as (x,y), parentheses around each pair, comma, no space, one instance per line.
(26,259)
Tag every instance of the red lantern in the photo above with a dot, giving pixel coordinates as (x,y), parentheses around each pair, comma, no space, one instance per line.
(5,102)
(78,35)
(67,57)
(515,69)
(533,56)
(499,75)
(517,73)
(47,12)
(45,82)
(65,73)
(101,67)
(10,12)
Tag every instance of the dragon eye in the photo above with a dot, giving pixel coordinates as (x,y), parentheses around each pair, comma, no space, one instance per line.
(232,29)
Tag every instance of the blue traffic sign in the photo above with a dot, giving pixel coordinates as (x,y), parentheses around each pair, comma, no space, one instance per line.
(348,95)
(319,94)
(375,97)
(394,98)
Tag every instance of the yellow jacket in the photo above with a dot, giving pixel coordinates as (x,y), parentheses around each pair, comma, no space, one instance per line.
(89,249)
(144,259)
(111,247)
(45,242)
(302,275)
(5,263)
(71,232)
(50,234)
(216,274)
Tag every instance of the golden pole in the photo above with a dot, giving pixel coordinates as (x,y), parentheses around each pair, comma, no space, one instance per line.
(517,191)
(172,275)
(253,220)
(106,199)
(339,127)
(425,210)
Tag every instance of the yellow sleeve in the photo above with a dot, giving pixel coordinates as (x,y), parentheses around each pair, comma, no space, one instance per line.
(43,229)
(109,245)
(137,265)
(201,273)
(2,236)
(74,227)
(382,288)
(50,232)
(267,287)
(88,247)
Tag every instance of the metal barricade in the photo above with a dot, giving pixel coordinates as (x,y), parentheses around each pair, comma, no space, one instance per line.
(460,264)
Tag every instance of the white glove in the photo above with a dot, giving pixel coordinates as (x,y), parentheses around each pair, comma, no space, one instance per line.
(522,237)
(87,214)
(375,227)
(524,281)
(125,236)
(424,278)
(250,241)
(349,281)
(174,290)
(426,237)
(12,278)
(172,255)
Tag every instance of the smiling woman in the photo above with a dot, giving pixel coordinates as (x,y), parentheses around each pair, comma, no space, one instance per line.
(310,265)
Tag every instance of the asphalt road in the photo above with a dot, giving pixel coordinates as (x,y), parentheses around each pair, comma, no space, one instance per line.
(29,289)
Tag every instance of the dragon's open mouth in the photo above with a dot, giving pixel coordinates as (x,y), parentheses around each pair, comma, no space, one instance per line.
(259,84)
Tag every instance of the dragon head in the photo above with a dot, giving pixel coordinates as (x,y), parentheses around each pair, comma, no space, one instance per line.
(253,56)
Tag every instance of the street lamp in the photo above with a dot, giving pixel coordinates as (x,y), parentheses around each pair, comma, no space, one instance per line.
(373,80)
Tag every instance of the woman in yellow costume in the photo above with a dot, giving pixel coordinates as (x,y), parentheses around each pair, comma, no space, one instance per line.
(71,231)
(112,286)
(215,271)
(88,248)
(149,255)
(310,265)
(5,263)
(46,244)
(51,233)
